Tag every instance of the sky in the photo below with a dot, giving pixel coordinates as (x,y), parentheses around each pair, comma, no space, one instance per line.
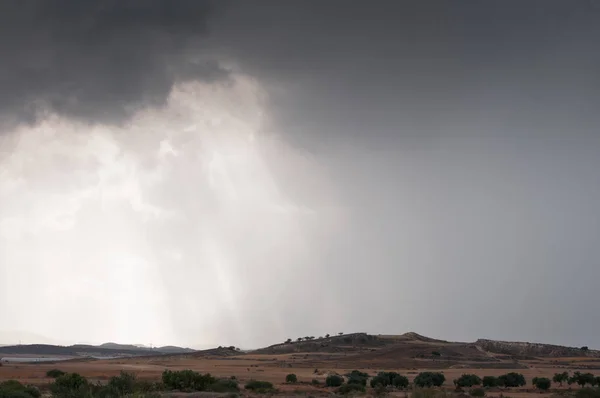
(207,173)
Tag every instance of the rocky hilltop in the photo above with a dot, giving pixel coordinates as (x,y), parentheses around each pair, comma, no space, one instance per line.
(517,348)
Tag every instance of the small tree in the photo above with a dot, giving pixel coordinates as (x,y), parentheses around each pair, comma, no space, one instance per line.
(341,333)
(334,381)
(512,379)
(54,373)
(299,339)
(327,336)
(288,341)
(490,381)
(541,383)
(467,380)
(291,378)
(582,379)
(429,379)
(560,378)
(584,348)
(436,353)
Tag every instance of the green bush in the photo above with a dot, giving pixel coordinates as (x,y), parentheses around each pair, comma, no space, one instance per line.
(334,381)
(541,383)
(70,385)
(291,378)
(315,382)
(224,385)
(187,380)
(14,389)
(385,379)
(582,379)
(560,378)
(259,386)
(467,380)
(588,392)
(511,379)
(54,373)
(429,379)
(123,384)
(351,388)
(477,392)
(489,381)
(357,377)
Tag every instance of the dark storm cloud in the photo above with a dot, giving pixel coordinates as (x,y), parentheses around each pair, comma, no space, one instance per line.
(98,60)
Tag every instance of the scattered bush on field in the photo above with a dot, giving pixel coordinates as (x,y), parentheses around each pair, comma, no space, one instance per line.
(541,383)
(259,386)
(489,381)
(334,381)
(560,378)
(186,380)
(291,378)
(467,380)
(54,373)
(429,379)
(357,377)
(511,379)
(224,385)
(351,388)
(14,389)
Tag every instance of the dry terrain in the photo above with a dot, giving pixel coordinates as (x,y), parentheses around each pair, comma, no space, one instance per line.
(407,354)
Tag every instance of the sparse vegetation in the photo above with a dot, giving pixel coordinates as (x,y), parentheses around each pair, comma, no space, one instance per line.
(291,378)
(582,379)
(489,381)
(357,377)
(541,383)
(351,388)
(14,389)
(315,382)
(389,379)
(436,353)
(560,378)
(224,385)
(511,379)
(186,380)
(467,380)
(477,392)
(334,381)
(54,373)
(259,386)
(429,379)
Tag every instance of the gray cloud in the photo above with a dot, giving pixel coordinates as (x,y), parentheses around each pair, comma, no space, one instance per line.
(99,61)
(433,164)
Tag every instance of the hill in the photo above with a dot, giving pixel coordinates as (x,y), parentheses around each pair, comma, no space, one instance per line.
(82,350)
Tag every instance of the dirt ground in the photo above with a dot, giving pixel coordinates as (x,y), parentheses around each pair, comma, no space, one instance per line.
(271,368)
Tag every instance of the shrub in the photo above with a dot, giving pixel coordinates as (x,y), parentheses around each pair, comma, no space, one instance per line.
(477,392)
(582,379)
(588,393)
(224,385)
(467,380)
(351,388)
(357,377)
(560,378)
(70,385)
(291,378)
(54,373)
(489,381)
(315,382)
(14,389)
(541,383)
(258,386)
(334,381)
(123,384)
(186,380)
(511,379)
(385,379)
(429,379)
(436,353)
(584,348)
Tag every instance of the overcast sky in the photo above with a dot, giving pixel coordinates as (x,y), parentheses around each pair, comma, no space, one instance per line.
(202,174)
